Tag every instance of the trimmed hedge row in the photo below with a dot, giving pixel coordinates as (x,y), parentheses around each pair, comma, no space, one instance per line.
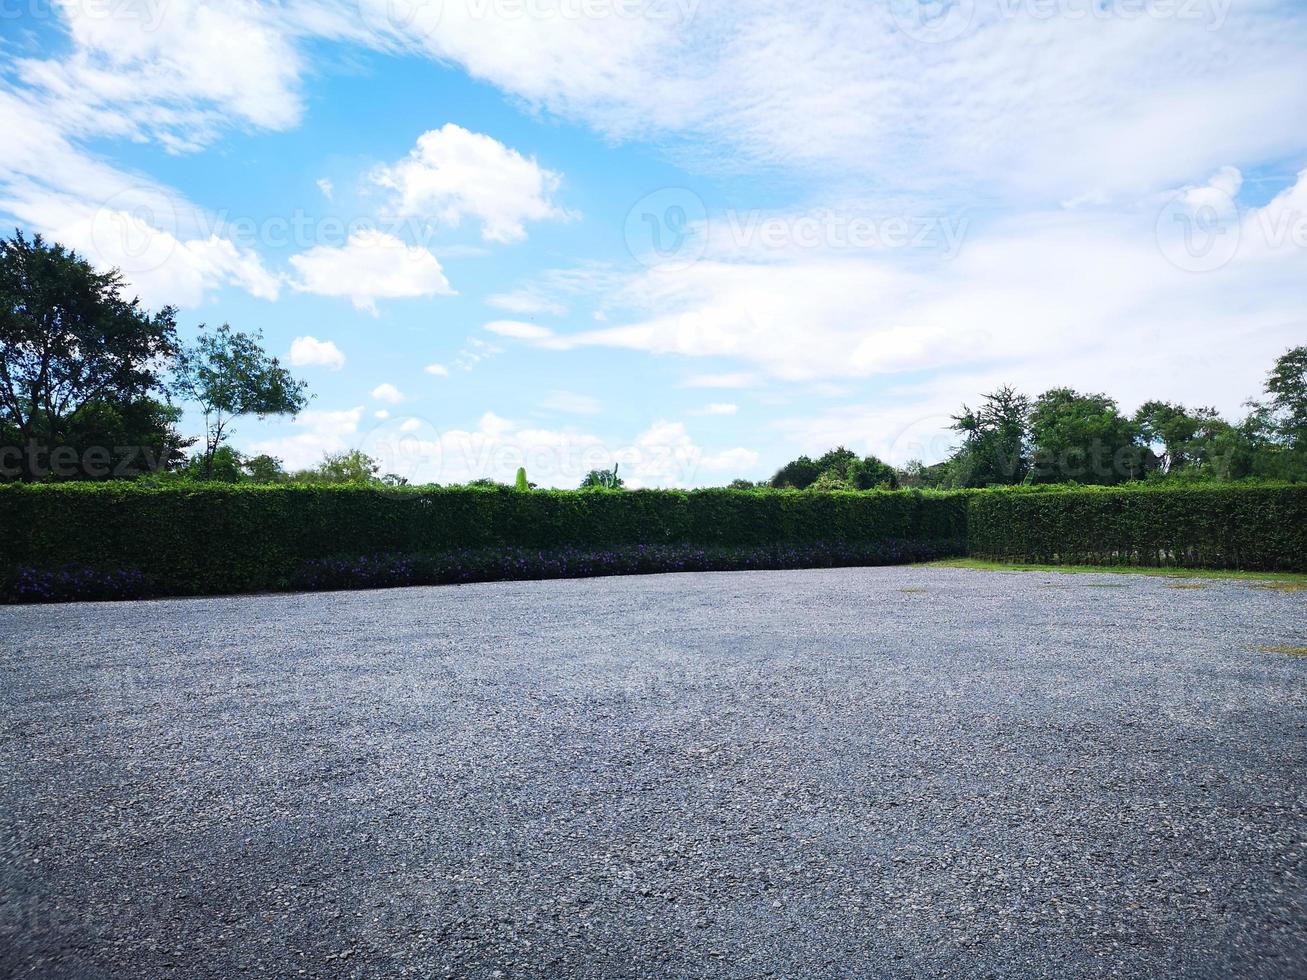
(110,540)
(1261,528)
(222,538)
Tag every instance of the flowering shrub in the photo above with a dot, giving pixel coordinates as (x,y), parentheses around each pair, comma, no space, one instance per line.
(507,564)
(75,583)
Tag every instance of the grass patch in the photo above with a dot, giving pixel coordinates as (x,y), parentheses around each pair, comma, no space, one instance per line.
(914,591)
(1289,585)
(1185,585)
(1286,650)
(1278,581)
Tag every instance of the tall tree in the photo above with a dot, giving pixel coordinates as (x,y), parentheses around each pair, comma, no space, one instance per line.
(995,442)
(228,374)
(75,352)
(1084,438)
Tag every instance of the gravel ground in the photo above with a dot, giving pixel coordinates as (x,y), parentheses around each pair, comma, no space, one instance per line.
(882,772)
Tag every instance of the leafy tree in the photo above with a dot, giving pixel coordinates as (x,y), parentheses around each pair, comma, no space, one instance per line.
(742,484)
(602,480)
(836,469)
(265,469)
(799,474)
(226,465)
(229,375)
(78,361)
(1287,386)
(352,467)
(521,483)
(1188,440)
(1083,438)
(995,447)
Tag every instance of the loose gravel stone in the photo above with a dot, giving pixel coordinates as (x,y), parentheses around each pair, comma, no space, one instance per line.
(893,772)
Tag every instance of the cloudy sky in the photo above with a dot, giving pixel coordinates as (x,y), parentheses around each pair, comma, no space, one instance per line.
(692,236)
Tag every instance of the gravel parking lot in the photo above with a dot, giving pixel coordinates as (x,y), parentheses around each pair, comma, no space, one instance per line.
(884,772)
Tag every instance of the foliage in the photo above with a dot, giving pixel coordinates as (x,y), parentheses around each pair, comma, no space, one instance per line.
(229,375)
(78,363)
(354,467)
(1199,526)
(1084,438)
(838,469)
(995,448)
(521,483)
(211,538)
(602,480)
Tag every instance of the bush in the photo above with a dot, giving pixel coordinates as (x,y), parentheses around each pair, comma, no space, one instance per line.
(216,538)
(1197,526)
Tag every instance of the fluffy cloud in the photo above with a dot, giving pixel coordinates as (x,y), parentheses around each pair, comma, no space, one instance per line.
(310,351)
(718,408)
(371,266)
(453,173)
(411,446)
(387,392)
(319,432)
(1130,293)
(439,370)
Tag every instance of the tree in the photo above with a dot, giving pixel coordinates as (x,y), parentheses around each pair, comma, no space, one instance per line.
(1287,386)
(352,467)
(265,469)
(995,447)
(1187,439)
(78,361)
(799,474)
(521,482)
(229,375)
(1083,438)
(602,480)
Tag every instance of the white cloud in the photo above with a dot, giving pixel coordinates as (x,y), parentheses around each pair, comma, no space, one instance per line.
(453,173)
(524,302)
(309,351)
(412,447)
(439,370)
(372,266)
(327,188)
(387,392)
(320,432)
(572,403)
(519,330)
(381,414)
(718,408)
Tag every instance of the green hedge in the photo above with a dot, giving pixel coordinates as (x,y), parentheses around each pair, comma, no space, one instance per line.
(1239,527)
(221,538)
(218,538)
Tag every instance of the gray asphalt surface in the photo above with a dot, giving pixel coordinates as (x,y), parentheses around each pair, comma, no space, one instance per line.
(898,772)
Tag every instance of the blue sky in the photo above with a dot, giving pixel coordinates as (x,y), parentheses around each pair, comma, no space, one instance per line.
(694,238)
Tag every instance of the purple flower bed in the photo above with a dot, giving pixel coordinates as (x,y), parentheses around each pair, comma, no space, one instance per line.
(71,583)
(75,583)
(508,564)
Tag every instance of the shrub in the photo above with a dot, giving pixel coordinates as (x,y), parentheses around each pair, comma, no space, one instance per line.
(1195,526)
(214,538)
